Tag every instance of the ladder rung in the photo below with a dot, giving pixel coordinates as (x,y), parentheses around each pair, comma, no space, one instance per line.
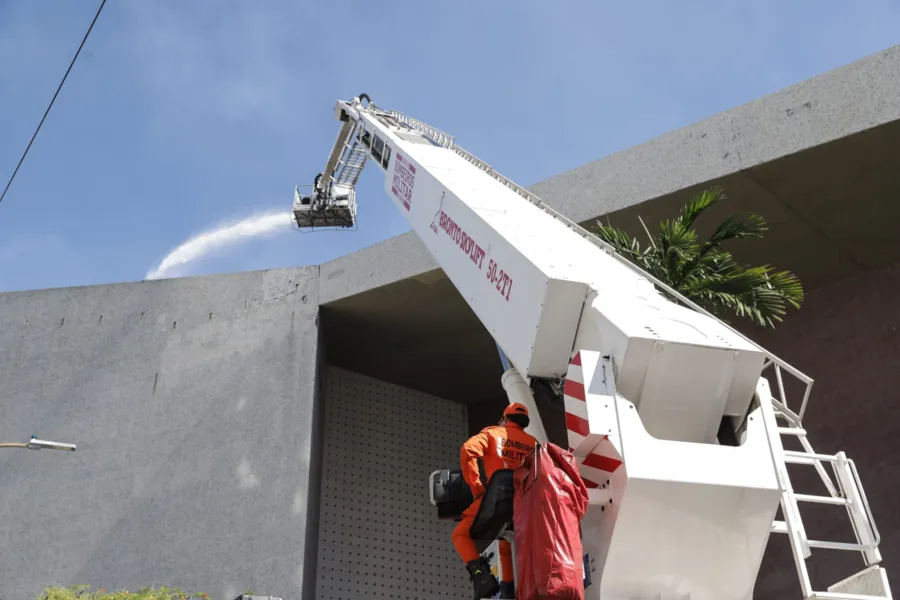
(821,499)
(838,596)
(836,545)
(781,527)
(799,432)
(806,458)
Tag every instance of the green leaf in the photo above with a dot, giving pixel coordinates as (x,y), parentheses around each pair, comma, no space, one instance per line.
(707,274)
(694,208)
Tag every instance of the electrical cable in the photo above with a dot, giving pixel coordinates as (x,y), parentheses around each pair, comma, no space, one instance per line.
(71,64)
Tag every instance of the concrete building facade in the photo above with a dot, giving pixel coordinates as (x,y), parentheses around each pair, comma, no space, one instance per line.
(274,430)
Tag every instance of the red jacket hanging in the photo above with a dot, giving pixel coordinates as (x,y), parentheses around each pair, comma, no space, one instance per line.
(549,503)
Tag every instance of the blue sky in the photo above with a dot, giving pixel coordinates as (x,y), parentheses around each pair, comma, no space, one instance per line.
(179,115)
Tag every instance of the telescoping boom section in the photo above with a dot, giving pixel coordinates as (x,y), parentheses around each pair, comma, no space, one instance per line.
(668,410)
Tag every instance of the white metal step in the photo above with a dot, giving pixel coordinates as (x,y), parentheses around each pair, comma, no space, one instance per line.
(836,596)
(869,584)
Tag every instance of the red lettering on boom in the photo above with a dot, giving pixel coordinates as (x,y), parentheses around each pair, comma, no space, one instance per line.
(501,279)
(404,179)
(462,239)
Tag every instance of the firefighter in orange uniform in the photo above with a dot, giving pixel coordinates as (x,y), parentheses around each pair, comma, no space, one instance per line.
(502,446)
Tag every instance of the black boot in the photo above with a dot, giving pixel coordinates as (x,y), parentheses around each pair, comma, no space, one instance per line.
(483,580)
(508,590)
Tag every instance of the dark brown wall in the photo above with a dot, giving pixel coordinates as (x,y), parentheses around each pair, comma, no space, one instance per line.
(847,338)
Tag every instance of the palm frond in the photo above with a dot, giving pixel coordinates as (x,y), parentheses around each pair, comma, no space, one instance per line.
(695,207)
(737,227)
(676,248)
(616,237)
(624,243)
(647,231)
(704,272)
(759,293)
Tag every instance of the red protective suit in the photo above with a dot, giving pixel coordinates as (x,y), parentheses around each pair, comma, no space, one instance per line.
(549,502)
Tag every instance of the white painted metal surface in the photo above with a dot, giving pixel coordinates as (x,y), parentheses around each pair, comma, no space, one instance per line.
(682,375)
(676,519)
(517,390)
(676,513)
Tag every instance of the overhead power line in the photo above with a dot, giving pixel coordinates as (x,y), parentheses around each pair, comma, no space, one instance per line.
(49,106)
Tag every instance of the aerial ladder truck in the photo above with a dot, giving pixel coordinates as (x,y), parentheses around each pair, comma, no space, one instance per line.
(670,413)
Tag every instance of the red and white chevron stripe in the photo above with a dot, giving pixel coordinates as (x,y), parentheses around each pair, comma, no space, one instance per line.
(599,461)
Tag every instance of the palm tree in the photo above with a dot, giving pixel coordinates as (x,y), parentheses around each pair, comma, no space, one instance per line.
(703,272)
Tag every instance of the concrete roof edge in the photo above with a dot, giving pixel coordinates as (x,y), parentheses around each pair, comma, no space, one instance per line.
(855,97)
(394,259)
(303,271)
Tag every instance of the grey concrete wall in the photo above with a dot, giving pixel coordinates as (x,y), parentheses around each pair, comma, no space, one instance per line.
(393,260)
(316,449)
(192,404)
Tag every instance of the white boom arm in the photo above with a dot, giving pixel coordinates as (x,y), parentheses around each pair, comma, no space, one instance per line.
(653,390)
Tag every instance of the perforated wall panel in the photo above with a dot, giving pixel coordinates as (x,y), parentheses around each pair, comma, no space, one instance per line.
(379,537)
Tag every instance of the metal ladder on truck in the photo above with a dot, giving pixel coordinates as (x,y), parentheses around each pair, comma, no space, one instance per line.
(844,489)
